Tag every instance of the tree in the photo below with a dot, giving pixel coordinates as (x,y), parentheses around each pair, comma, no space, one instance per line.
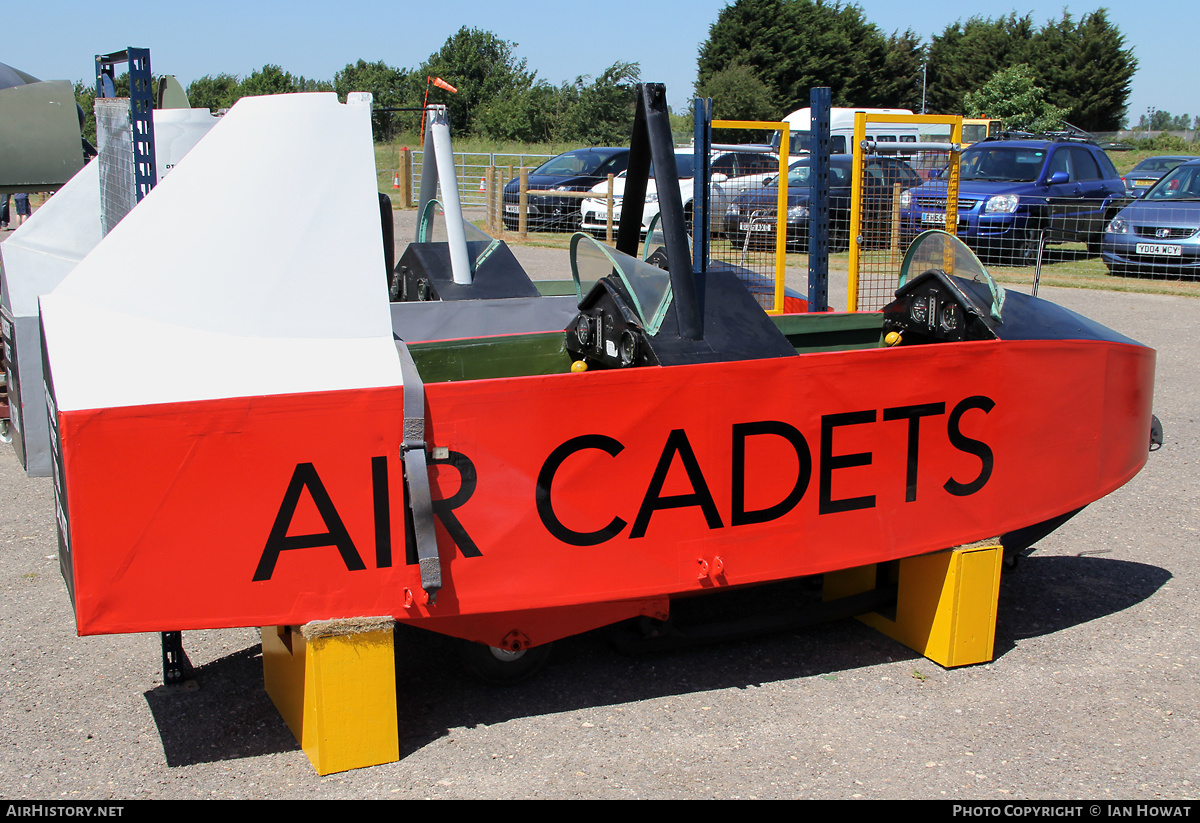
(1012,96)
(483,68)
(1164,121)
(602,111)
(899,85)
(528,116)
(270,79)
(1083,66)
(1086,70)
(85,96)
(214,92)
(965,55)
(794,45)
(389,88)
(738,94)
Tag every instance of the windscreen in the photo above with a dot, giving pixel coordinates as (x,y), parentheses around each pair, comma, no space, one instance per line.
(941,251)
(649,286)
(1182,183)
(1012,163)
(576,162)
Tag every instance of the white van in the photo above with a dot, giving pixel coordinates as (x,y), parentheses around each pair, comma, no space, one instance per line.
(841,130)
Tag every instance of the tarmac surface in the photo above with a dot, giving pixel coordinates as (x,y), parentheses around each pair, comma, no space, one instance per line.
(1092,694)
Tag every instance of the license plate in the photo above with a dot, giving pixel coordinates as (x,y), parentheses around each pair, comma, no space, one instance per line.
(755,227)
(512,209)
(935,217)
(1158,248)
(1143,182)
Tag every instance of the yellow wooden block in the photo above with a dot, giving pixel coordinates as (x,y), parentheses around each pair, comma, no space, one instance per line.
(945,604)
(337,694)
(846,582)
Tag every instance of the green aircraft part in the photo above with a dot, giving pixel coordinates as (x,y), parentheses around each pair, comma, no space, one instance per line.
(40,144)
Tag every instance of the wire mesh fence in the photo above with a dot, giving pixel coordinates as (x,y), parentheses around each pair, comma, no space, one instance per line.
(1058,240)
(876,227)
(742,235)
(471,169)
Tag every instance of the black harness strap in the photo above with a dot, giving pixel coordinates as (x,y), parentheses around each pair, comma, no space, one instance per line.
(416,474)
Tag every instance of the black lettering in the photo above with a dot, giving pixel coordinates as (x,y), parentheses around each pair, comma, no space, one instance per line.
(739,516)
(969,445)
(444,509)
(913,415)
(677,443)
(830,461)
(383,512)
(305,476)
(545,506)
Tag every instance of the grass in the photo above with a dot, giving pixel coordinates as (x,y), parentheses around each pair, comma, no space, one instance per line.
(1069,266)
(478,151)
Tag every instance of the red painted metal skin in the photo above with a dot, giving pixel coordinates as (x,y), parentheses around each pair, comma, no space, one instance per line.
(172,507)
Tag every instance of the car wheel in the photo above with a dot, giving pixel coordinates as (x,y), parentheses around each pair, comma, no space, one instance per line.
(6,435)
(839,241)
(1023,248)
(502,667)
(1094,245)
(797,241)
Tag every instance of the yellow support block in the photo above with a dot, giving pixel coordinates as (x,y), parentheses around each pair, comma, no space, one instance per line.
(946,603)
(336,690)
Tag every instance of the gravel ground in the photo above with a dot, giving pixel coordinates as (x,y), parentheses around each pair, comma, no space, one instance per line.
(1092,694)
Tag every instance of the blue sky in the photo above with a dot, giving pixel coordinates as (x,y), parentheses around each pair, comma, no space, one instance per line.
(58,39)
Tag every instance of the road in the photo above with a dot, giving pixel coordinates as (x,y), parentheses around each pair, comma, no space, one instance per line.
(1092,693)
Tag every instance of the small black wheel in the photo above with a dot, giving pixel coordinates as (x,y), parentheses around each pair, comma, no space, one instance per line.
(839,241)
(1024,247)
(501,667)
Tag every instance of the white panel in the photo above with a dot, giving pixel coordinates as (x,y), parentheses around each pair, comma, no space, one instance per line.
(176,131)
(52,241)
(255,267)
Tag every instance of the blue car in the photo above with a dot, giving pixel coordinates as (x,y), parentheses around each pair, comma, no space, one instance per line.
(577,170)
(1159,233)
(1148,172)
(1010,191)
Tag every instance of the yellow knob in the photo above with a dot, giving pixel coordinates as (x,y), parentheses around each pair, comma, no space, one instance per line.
(891,338)
(579,366)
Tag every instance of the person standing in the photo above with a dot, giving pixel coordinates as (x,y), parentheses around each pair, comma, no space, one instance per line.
(4,210)
(21,199)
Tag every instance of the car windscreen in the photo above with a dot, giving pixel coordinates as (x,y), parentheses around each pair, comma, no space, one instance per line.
(800,173)
(1011,163)
(685,165)
(1182,183)
(575,162)
(1159,164)
(800,142)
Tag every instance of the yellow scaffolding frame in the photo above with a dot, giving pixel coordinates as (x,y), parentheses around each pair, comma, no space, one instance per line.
(861,119)
(781,206)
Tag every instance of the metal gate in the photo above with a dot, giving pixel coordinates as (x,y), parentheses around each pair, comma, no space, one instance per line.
(748,222)
(883,220)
